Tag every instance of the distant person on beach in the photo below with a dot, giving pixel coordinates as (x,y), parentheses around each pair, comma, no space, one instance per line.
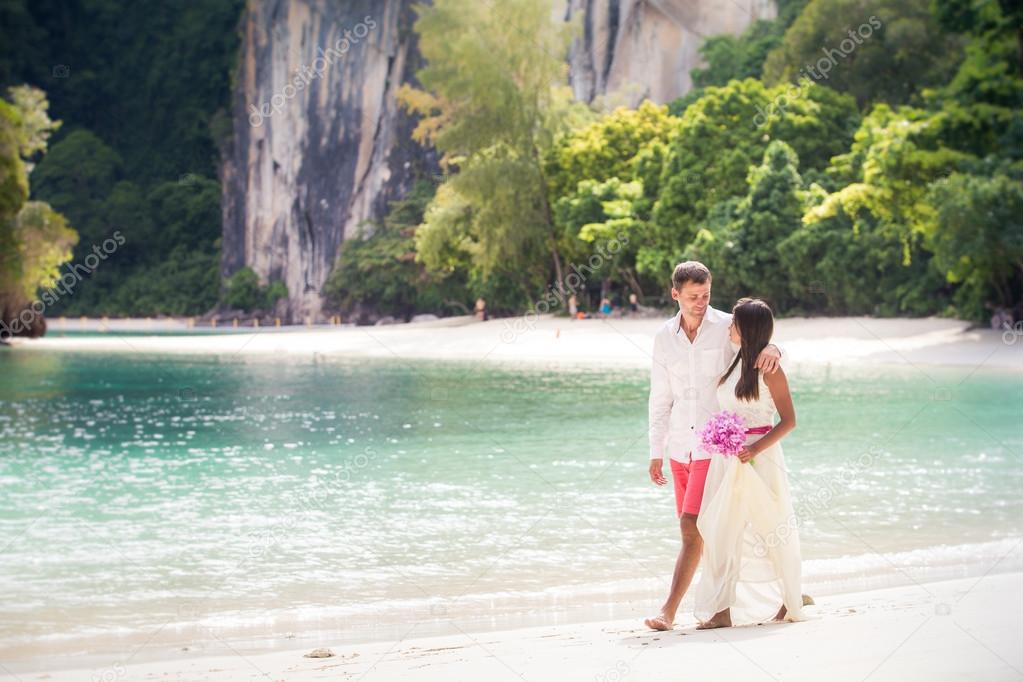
(1001,319)
(605,307)
(573,306)
(633,303)
(481,309)
(691,352)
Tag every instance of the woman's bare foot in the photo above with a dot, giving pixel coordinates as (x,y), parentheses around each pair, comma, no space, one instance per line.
(720,620)
(781,613)
(660,622)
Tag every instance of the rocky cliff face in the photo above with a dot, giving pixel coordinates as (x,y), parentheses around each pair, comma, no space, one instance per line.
(320,145)
(644,49)
(319,142)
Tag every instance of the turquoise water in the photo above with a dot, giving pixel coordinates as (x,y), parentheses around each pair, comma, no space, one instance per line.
(151,498)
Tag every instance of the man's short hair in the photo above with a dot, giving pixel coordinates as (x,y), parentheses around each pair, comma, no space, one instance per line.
(689,271)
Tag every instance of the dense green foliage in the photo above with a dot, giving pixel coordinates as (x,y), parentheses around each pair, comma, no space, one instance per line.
(380,267)
(142,89)
(810,184)
(977,236)
(742,238)
(34,238)
(242,291)
(875,50)
(848,157)
(724,133)
(492,103)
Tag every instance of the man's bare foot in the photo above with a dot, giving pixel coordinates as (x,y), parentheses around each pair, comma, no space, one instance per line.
(661,622)
(781,613)
(720,620)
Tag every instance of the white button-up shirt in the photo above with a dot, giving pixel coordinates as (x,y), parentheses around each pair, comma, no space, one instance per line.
(683,384)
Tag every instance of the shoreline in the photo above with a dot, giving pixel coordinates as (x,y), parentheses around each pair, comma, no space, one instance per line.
(937,630)
(585,635)
(575,605)
(616,342)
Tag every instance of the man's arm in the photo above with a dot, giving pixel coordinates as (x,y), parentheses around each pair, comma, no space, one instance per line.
(659,411)
(769,360)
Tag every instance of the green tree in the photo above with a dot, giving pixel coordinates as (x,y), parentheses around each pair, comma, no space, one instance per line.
(34,239)
(729,57)
(872,229)
(977,238)
(875,50)
(44,244)
(379,270)
(744,251)
(146,77)
(242,290)
(492,103)
(144,88)
(983,19)
(606,176)
(979,109)
(167,262)
(717,141)
(76,177)
(608,147)
(602,229)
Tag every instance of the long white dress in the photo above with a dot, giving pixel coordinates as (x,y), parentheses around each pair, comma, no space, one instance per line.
(751,558)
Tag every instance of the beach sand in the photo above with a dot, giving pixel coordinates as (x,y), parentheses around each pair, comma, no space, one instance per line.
(964,629)
(547,339)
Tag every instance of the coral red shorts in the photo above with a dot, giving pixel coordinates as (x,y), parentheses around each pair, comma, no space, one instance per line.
(689,481)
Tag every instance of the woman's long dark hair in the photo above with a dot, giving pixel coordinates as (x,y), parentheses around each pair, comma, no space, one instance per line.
(755,323)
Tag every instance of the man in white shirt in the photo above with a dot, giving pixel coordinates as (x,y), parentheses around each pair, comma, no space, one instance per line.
(691,352)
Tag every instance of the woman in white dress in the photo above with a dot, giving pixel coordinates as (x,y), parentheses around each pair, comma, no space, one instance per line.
(751,558)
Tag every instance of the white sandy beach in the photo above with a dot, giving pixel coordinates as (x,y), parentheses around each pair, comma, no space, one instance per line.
(549,339)
(964,629)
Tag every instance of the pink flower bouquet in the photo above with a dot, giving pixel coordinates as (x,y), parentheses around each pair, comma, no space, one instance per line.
(725,434)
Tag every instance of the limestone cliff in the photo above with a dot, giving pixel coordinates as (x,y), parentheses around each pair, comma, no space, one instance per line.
(644,49)
(319,142)
(320,145)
